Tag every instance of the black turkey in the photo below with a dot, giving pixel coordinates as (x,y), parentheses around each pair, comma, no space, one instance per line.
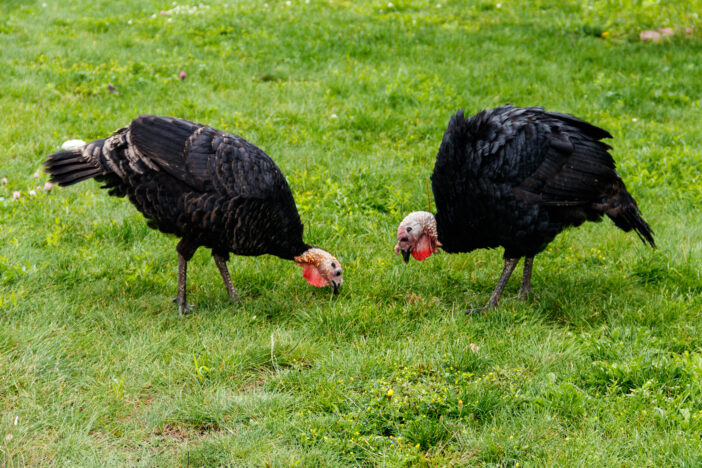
(208,187)
(516,177)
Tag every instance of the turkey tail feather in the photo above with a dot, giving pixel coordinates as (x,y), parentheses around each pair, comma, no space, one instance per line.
(70,167)
(625,214)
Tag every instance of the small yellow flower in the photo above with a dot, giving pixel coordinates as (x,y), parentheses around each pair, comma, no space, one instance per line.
(390,393)
(605,34)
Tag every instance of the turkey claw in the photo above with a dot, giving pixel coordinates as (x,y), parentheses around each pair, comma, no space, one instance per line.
(183,308)
(480,310)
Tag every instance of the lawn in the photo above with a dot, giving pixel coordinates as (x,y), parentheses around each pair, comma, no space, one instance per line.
(602,368)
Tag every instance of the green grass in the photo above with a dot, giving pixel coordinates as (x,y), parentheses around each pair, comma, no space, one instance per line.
(351,99)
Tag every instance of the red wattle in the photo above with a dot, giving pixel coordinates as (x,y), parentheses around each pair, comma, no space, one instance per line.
(313,276)
(423,249)
(421,254)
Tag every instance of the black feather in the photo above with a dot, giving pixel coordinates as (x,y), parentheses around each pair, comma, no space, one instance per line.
(516,177)
(211,188)
(69,167)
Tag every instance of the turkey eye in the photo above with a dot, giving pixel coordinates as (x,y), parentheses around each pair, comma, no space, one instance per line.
(404,239)
(333,265)
(338,273)
(409,229)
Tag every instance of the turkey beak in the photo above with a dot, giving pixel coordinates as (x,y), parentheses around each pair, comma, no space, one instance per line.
(335,287)
(406,254)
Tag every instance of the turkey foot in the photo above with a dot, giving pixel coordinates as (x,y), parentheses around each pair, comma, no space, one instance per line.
(184,308)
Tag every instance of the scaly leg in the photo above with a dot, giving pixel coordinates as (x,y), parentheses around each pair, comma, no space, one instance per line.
(510,264)
(183,307)
(185,251)
(222,265)
(525,289)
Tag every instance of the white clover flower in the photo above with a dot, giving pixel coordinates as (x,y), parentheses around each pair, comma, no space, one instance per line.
(72,144)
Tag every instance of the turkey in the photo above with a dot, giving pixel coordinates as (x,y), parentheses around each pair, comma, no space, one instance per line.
(516,177)
(208,187)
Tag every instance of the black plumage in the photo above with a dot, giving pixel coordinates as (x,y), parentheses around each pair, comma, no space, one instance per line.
(516,177)
(208,187)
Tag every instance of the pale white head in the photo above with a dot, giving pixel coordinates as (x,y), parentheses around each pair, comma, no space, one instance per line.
(417,235)
(320,268)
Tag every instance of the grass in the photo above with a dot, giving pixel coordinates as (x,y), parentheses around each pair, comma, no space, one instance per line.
(351,99)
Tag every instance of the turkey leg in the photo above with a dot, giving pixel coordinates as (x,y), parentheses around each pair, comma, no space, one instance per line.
(183,306)
(222,265)
(510,264)
(525,289)
(185,250)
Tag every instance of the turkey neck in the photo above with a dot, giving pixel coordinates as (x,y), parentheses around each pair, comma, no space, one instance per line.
(455,234)
(430,226)
(296,251)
